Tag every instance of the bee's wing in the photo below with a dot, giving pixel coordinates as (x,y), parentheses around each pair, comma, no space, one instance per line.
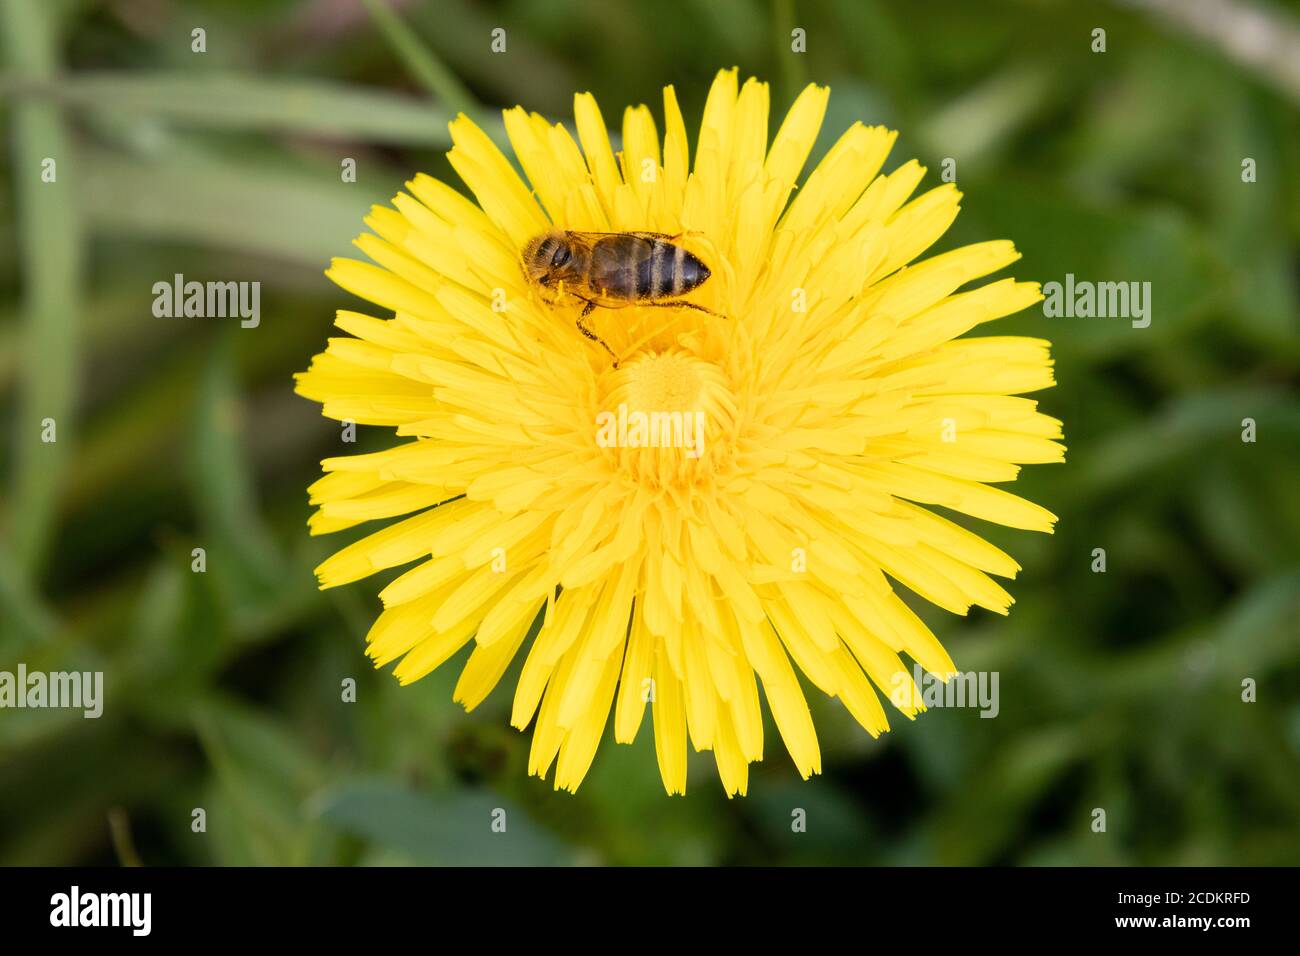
(592,237)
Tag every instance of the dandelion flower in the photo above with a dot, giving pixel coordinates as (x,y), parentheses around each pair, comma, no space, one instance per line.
(839,399)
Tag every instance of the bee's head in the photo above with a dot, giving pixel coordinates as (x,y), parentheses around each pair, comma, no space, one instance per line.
(546,254)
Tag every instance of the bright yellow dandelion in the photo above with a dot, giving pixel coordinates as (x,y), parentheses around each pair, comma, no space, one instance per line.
(836,397)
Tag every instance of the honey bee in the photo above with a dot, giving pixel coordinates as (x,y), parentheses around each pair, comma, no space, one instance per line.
(614,270)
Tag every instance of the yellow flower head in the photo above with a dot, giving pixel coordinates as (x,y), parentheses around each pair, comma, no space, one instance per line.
(552,499)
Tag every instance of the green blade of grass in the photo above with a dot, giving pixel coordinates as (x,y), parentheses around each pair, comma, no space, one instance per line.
(431,73)
(51,251)
(223,486)
(223,100)
(235,206)
(27,619)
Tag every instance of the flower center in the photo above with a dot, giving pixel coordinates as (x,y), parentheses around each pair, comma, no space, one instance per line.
(664,380)
(668,418)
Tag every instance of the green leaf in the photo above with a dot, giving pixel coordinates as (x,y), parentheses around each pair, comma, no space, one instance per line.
(446,828)
(978,819)
(1200,422)
(265,774)
(1259,631)
(27,619)
(837,830)
(239,547)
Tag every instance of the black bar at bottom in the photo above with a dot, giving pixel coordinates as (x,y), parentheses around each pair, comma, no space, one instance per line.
(333,906)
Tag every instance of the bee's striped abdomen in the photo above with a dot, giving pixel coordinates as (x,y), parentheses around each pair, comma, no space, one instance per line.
(668,271)
(628,267)
(657,275)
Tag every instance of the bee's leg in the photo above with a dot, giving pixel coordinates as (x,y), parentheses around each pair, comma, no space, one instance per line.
(681,305)
(586,311)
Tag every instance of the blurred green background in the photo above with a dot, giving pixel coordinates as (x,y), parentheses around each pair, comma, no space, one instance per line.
(1119,690)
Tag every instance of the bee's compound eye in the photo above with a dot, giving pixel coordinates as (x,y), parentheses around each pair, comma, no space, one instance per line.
(561,256)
